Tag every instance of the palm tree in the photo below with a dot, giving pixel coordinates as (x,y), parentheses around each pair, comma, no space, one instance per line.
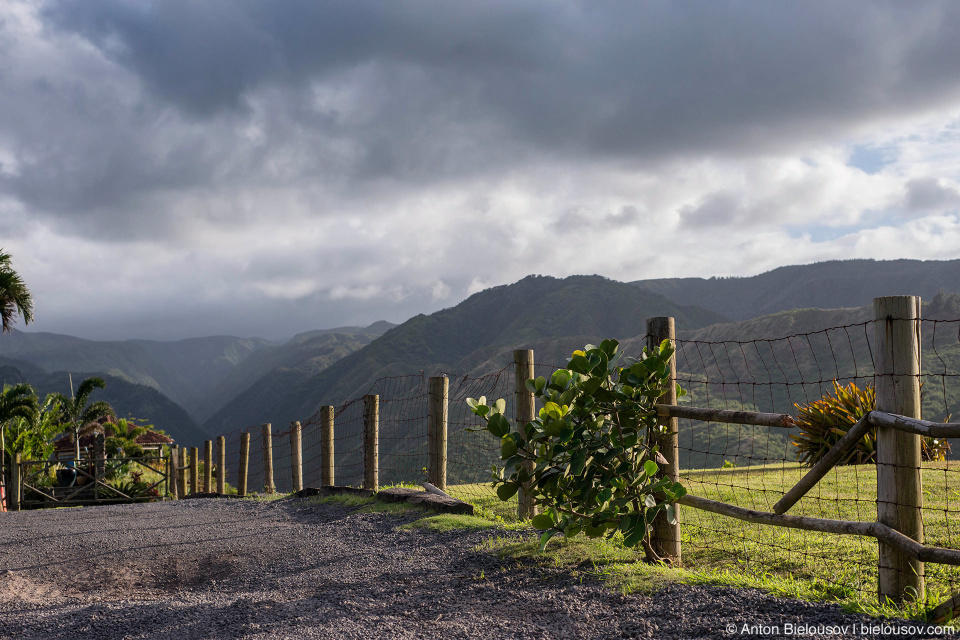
(124,437)
(14,297)
(18,404)
(76,413)
(31,434)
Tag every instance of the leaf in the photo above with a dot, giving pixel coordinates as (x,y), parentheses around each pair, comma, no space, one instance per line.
(507,490)
(512,462)
(545,538)
(498,425)
(472,403)
(508,447)
(580,364)
(500,406)
(650,468)
(561,378)
(649,501)
(578,462)
(542,521)
(671,514)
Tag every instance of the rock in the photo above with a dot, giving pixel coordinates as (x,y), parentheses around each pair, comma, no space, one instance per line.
(424,499)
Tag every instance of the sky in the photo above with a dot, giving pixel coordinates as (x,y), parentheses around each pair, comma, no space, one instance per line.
(174,169)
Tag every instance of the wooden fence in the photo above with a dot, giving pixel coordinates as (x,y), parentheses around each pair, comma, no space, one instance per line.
(898,527)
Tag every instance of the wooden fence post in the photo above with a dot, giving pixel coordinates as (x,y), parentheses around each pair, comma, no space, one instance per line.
(15,484)
(182,475)
(437,414)
(208,466)
(221,465)
(265,432)
(899,492)
(525,412)
(172,475)
(371,442)
(666,537)
(194,470)
(326,447)
(296,456)
(244,464)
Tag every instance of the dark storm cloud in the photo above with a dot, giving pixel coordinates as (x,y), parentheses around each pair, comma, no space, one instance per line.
(423,92)
(633,79)
(296,164)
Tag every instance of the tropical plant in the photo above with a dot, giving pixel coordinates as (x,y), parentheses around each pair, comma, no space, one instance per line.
(31,433)
(823,422)
(121,437)
(76,412)
(591,464)
(14,296)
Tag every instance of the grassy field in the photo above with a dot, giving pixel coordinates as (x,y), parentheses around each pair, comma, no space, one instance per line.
(806,564)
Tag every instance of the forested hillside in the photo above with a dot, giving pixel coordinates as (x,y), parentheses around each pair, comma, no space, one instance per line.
(126,398)
(477,336)
(825,285)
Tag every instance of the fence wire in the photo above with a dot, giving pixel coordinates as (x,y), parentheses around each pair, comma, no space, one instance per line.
(744,465)
(752,467)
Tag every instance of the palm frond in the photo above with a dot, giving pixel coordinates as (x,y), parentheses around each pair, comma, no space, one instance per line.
(15,299)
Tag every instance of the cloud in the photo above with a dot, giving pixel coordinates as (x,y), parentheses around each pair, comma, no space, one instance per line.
(236,166)
(931,194)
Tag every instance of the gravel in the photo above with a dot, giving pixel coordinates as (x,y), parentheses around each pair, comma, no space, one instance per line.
(299,569)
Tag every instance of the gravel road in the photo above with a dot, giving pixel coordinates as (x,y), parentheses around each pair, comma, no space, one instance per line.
(298,569)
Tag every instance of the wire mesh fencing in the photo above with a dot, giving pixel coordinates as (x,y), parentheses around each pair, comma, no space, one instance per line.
(747,466)
(827,379)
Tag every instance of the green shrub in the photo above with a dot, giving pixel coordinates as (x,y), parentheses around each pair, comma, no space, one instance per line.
(823,422)
(591,467)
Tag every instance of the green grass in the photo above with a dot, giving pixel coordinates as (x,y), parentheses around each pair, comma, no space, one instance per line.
(485,501)
(786,562)
(344,499)
(451,522)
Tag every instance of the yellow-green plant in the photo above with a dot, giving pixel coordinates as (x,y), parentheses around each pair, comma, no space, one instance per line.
(823,422)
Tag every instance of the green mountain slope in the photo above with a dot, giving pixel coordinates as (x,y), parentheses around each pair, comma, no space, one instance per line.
(825,285)
(126,398)
(265,380)
(477,336)
(199,374)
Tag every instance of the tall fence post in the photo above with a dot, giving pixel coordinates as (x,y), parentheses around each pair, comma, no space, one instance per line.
(437,415)
(194,470)
(899,492)
(666,537)
(326,447)
(266,434)
(244,464)
(525,412)
(182,473)
(296,456)
(15,484)
(371,442)
(208,466)
(221,465)
(172,474)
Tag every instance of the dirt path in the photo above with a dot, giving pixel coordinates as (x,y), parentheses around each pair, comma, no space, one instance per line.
(297,569)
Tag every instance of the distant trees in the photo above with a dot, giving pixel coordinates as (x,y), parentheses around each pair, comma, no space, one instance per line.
(15,298)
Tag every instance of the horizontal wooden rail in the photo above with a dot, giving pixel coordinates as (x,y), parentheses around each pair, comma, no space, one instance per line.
(872,529)
(912,425)
(782,420)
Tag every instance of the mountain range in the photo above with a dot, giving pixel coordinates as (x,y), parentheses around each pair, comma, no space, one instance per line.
(198,388)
